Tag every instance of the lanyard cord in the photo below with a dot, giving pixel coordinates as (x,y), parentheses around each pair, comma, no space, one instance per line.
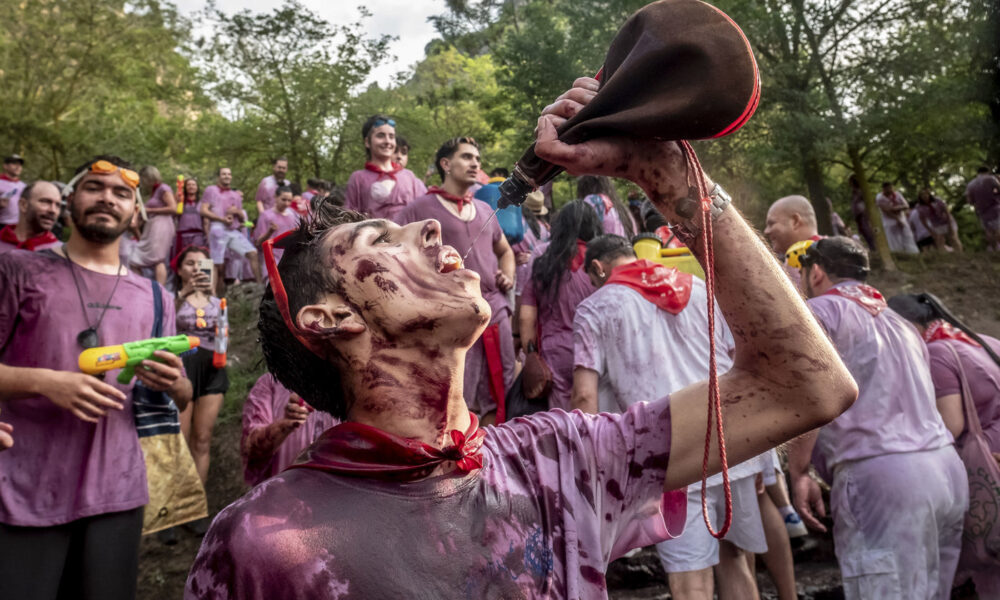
(79,294)
(714,396)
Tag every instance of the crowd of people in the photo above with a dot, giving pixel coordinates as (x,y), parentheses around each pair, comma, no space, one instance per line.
(398,319)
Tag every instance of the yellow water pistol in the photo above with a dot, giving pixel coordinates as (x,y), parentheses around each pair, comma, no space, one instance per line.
(127,356)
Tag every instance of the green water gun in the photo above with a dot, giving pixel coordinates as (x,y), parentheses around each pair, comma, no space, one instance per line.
(129,355)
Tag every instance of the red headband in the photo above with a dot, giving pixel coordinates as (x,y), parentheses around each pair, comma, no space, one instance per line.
(280,295)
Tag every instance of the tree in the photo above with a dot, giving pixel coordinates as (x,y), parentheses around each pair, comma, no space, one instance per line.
(290,75)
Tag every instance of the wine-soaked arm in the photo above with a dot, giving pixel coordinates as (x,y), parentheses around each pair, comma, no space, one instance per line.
(787,378)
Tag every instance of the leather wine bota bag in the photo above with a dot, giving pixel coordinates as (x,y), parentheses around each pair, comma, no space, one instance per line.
(677,70)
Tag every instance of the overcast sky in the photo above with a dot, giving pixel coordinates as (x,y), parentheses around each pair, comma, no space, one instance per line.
(406,19)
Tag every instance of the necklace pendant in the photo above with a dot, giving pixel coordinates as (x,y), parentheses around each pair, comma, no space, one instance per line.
(88,339)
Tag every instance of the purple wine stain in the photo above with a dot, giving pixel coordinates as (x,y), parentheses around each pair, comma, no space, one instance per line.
(615,490)
(420,323)
(386,285)
(366,268)
(593,576)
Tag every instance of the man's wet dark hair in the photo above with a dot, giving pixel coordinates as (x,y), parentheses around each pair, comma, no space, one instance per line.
(279,158)
(886,184)
(841,258)
(924,308)
(606,248)
(306,278)
(281,189)
(983,169)
(500,172)
(449,148)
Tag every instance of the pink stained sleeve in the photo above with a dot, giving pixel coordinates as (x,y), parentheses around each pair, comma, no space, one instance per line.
(262,193)
(528,293)
(352,195)
(944,370)
(257,414)
(587,351)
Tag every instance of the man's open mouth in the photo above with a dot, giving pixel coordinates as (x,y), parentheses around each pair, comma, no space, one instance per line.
(448,260)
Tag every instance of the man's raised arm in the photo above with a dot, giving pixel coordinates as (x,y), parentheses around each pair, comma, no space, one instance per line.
(787,378)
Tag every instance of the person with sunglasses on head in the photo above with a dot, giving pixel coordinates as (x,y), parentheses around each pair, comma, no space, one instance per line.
(370,321)
(899,491)
(384,187)
(268,185)
(11,187)
(74,484)
(223,207)
(489,364)
(39,207)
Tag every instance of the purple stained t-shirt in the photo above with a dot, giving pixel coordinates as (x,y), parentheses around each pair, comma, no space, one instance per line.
(265,405)
(285,221)
(266,189)
(896,409)
(202,326)
(219,201)
(555,322)
(560,495)
(460,234)
(984,195)
(982,374)
(61,468)
(379,196)
(11,190)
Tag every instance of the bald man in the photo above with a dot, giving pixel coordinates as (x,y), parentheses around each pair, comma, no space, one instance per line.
(38,209)
(790,219)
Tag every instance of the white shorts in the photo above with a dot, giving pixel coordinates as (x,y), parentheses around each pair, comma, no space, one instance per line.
(696,549)
(771,466)
(220,239)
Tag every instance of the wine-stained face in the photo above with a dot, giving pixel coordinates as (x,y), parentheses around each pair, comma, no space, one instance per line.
(397,283)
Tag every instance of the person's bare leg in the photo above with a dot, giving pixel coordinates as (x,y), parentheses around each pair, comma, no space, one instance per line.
(220,280)
(185,419)
(736,579)
(956,243)
(206,409)
(255,266)
(778,492)
(691,585)
(778,557)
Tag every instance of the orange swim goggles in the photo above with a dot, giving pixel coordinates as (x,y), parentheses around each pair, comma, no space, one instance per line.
(103,167)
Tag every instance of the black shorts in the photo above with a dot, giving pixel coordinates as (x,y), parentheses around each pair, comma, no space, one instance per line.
(205,378)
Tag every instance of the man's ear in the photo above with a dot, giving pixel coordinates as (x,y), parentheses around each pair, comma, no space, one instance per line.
(331,317)
(444,163)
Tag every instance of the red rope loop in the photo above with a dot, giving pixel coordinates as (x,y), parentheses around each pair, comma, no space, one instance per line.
(714,396)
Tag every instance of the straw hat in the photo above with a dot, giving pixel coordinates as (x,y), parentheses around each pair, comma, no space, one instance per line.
(535,202)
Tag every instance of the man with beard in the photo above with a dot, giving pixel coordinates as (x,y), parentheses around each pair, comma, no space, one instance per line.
(74,484)
(371,321)
(384,187)
(270,184)
(39,207)
(489,364)
(223,207)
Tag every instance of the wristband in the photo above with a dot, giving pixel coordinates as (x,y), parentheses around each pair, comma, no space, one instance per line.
(689,209)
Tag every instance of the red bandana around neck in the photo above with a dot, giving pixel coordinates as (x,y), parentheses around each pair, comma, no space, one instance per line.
(7,177)
(7,235)
(866,296)
(391,173)
(365,451)
(581,254)
(943,330)
(669,289)
(461,201)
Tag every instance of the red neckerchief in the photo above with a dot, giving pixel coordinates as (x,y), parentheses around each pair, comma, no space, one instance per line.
(669,289)
(4,177)
(892,199)
(391,173)
(942,330)
(7,235)
(581,254)
(366,451)
(866,296)
(459,200)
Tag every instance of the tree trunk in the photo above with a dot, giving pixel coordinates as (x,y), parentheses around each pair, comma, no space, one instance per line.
(817,192)
(871,209)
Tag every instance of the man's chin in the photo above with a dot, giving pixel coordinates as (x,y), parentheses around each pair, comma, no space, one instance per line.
(100,234)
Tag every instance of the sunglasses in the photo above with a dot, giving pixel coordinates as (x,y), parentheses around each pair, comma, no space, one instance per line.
(278,288)
(381,122)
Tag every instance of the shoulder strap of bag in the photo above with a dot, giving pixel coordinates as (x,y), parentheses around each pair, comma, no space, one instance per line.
(971,416)
(157,310)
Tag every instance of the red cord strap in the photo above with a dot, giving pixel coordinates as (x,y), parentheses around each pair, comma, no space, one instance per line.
(714,397)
